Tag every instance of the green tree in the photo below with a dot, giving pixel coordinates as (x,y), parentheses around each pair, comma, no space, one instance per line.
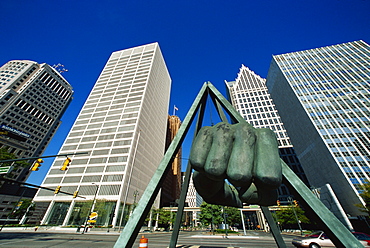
(286,216)
(233,216)
(165,218)
(366,197)
(5,155)
(21,208)
(82,211)
(210,215)
(100,207)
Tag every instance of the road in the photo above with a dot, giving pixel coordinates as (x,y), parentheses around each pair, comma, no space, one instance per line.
(53,239)
(191,239)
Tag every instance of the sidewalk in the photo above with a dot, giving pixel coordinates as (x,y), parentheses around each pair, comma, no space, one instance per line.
(106,231)
(60,230)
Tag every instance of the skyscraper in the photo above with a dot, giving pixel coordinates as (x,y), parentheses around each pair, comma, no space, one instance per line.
(33,98)
(171,187)
(122,126)
(322,96)
(250,97)
(193,199)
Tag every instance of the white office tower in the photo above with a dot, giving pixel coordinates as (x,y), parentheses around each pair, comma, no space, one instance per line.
(250,97)
(122,127)
(193,199)
(322,96)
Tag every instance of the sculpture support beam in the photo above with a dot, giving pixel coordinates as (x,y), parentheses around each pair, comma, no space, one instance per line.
(132,228)
(336,231)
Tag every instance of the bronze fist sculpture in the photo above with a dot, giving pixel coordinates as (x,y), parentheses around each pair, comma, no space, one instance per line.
(235,164)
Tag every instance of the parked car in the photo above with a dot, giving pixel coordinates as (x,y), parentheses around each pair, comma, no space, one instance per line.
(363,237)
(320,239)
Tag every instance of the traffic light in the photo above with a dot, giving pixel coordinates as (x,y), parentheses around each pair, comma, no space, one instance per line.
(57,190)
(295,203)
(278,203)
(65,164)
(37,164)
(19,205)
(75,194)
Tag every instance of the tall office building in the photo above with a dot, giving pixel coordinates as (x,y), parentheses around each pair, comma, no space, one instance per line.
(250,97)
(193,199)
(122,126)
(171,187)
(33,98)
(323,99)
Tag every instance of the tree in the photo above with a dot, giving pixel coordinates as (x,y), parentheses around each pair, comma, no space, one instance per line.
(210,215)
(21,208)
(5,155)
(366,197)
(165,218)
(99,207)
(233,216)
(286,216)
(82,211)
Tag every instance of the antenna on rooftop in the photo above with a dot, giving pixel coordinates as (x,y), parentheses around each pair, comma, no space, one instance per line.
(60,68)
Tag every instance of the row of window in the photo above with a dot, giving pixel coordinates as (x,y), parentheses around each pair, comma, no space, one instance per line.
(85,190)
(84,179)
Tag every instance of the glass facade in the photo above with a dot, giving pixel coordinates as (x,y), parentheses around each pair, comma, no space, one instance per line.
(326,92)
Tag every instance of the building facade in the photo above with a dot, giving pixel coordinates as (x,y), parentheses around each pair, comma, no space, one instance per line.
(171,187)
(33,98)
(193,199)
(122,127)
(323,99)
(250,97)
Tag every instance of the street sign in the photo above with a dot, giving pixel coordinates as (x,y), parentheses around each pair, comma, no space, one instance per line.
(5,169)
(92,217)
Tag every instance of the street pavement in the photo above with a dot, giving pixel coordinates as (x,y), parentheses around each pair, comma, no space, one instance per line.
(68,237)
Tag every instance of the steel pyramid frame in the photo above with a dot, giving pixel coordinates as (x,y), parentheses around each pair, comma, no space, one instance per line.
(326,220)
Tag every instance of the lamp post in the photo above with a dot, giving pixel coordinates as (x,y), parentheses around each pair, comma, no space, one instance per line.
(225,215)
(295,214)
(136,193)
(91,208)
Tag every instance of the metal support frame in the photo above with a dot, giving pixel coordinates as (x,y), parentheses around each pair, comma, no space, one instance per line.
(185,185)
(336,231)
(132,228)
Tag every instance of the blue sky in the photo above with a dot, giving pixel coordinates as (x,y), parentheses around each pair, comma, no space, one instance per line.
(200,40)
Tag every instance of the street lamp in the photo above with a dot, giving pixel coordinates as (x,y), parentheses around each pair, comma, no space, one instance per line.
(295,214)
(91,208)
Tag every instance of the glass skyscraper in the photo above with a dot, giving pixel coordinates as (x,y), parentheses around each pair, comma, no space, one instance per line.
(122,126)
(322,96)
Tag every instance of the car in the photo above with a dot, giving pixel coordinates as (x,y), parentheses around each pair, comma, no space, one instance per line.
(313,240)
(319,239)
(362,236)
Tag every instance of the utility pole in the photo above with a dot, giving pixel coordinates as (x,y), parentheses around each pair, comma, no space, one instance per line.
(91,208)
(225,215)
(295,214)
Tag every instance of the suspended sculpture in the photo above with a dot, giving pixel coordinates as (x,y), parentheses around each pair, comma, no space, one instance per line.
(245,156)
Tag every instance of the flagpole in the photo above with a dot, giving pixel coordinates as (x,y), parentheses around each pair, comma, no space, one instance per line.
(174,109)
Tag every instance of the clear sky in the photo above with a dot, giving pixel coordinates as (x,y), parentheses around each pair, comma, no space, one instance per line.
(200,40)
